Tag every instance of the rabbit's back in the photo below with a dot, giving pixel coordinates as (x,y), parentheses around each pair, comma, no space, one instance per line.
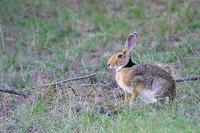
(149,71)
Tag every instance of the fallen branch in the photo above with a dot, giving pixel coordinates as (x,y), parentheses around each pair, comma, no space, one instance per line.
(6,89)
(65,81)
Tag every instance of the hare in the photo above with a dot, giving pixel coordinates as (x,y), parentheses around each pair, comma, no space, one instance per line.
(149,82)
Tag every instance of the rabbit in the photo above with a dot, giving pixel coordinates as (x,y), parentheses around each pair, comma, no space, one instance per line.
(149,82)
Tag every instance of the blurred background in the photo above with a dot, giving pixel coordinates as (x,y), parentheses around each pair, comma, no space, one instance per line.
(42,41)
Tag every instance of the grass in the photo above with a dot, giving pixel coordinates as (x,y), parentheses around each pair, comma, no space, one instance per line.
(43,41)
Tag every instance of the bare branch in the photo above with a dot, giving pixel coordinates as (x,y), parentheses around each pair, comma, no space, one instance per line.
(65,81)
(7,89)
(188,78)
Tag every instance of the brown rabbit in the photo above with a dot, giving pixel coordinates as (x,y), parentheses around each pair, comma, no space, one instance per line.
(149,82)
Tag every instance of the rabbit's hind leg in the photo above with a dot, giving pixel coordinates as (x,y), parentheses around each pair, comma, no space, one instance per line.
(160,88)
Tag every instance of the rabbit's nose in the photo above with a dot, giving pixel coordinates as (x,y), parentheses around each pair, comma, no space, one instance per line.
(108,65)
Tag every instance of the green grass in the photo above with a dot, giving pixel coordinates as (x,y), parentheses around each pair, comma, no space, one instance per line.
(44,40)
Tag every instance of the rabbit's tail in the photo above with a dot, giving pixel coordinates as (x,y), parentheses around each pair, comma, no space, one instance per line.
(187,78)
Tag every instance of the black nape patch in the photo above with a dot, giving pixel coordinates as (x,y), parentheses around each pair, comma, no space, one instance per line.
(130,64)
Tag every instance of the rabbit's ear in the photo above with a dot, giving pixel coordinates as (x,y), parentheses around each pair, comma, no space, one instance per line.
(131,41)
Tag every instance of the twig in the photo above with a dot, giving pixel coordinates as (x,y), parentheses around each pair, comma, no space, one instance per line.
(181,79)
(6,89)
(65,81)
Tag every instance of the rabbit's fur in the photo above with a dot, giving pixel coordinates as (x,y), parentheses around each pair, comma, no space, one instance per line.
(150,82)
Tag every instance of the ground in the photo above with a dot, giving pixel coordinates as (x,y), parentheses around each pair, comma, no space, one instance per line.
(43,41)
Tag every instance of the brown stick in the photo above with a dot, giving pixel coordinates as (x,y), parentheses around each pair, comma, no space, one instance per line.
(65,81)
(188,78)
(6,89)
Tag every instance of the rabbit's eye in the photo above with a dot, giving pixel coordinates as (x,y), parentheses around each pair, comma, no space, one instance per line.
(119,55)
